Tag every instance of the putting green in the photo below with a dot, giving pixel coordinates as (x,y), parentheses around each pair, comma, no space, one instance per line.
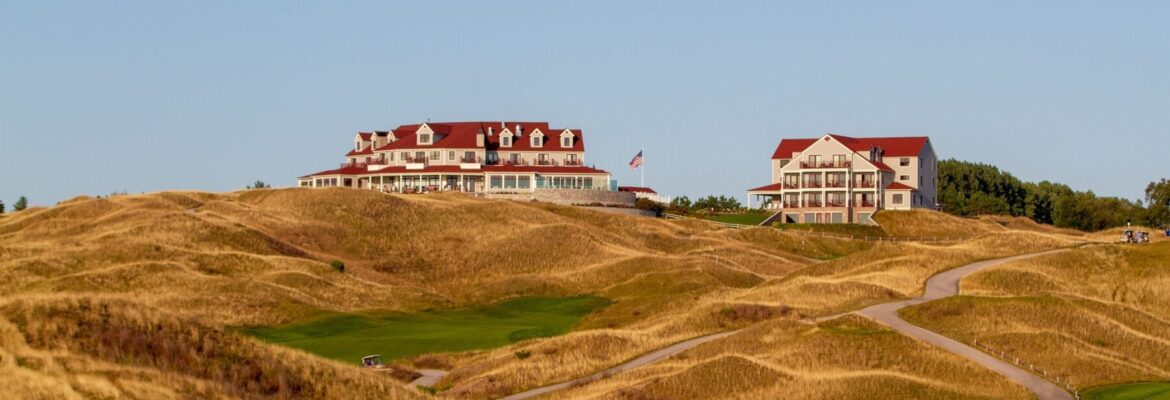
(348,337)
(1130,391)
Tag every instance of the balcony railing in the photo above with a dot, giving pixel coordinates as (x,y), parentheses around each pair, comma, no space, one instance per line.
(811,185)
(864,184)
(827,164)
(865,203)
(545,162)
(832,203)
(812,203)
(840,184)
(514,162)
(471,160)
(572,162)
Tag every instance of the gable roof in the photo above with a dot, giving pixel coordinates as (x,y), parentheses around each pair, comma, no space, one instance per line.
(898,186)
(768,188)
(462,135)
(908,146)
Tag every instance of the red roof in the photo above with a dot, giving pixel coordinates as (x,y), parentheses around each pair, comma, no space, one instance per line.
(909,146)
(636,189)
(462,135)
(898,186)
(455,169)
(768,188)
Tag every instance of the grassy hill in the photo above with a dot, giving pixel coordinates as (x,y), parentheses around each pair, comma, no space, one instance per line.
(158,281)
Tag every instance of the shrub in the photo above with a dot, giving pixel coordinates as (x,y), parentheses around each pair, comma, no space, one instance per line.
(337,265)
(20,204)
(523,354)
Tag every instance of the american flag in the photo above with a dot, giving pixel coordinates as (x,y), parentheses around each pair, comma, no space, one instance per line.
(636,162)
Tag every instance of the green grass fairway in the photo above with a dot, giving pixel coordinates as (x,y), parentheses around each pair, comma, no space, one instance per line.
(748,218)
(348,337)
(1130,391)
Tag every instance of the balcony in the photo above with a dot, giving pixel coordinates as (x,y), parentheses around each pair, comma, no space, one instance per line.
(471,160)
(545,162)
(514,162)
(811,185)
(834,203)
(865,203)
(864,184)
(812,203)
(825,165)
(572,163)
(840,184)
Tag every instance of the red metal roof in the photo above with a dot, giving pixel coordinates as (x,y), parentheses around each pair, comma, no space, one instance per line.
(636,189)
(462,135)
(768,188)
(898,186)
(455,169)
(909,146)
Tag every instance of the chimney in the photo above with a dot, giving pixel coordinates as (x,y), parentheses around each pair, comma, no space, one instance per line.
(479,138)
(489,131)
(519,130)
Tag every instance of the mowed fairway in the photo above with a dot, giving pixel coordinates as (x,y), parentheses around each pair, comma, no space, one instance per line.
(1131,391)
(348,337)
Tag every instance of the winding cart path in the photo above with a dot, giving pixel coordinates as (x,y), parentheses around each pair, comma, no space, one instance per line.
(946,284)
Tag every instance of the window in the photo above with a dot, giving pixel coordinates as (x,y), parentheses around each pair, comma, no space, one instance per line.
(391,156)
(469,156)
(419,156)
(510,182)
(524,182)
(497,182)
(424,138)
(897,198)
(382,156)
(435,155)
(839,160)
(506,141)
(538,141)
(493,158)
(905,162)
(904,177)
(514,158)
(566,141)
(451,155)
(405,156)
(367,160)
(571,159)
(588,184)
(813,160)
(783,163)
(543,157)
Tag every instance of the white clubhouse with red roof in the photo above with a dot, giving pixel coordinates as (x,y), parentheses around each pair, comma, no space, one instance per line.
(841,179)
(511,157)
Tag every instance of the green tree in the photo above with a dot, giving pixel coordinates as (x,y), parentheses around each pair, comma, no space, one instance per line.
(1,206)
(21,204)
(259,185)
(1158,203)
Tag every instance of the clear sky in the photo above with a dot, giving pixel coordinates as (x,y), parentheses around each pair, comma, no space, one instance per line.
(98,97)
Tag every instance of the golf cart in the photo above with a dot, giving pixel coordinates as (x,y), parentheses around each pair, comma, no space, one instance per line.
(373,361)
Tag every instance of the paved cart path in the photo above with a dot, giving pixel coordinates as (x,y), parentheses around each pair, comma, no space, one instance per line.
(946,284)
(649,358)
(429,377)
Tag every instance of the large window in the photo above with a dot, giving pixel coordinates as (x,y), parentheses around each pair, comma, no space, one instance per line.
(451,155)
(506,141)
(419,156)
(905,162)
(510,182)
(566,141)
(435,155)
(897,198)
(524,182)
(538,141)
(497,182)
(469,156)
(424,138)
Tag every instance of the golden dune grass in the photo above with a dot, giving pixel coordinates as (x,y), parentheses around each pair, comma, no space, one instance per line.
(202,261)
(1096,315)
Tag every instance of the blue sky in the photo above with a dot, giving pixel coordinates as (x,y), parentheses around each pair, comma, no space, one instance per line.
(147,96)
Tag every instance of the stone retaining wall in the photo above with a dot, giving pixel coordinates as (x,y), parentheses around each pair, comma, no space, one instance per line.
(570,197)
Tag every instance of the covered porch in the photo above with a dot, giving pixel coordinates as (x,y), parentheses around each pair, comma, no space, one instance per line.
(767,197)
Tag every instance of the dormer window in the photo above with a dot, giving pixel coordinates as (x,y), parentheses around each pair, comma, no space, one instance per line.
(425,138)
(506,141)
(538,141)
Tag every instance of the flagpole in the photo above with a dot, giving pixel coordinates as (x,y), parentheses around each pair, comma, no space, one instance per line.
(643,152)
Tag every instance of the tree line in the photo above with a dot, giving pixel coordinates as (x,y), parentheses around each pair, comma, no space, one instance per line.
(969,189)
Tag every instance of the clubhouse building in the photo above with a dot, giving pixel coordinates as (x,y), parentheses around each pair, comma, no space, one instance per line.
(489,157)
(841,179)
